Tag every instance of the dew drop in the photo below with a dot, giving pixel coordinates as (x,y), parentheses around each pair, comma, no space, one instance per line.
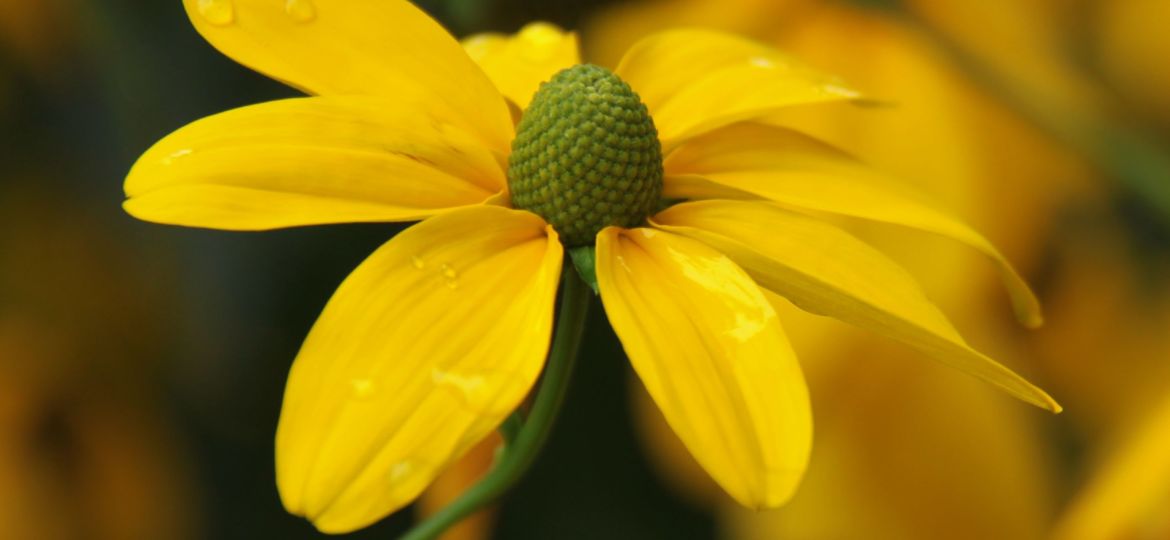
(417,262)
(762,62)
(471,389)
(361,389)
(450,275)
(217,12)
(301,11)
(399,471)
(481,391)
(839,90)
(177,155)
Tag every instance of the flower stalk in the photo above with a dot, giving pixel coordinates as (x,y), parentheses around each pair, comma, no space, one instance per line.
(522,449)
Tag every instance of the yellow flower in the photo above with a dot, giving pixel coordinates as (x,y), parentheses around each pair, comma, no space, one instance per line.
(1131,50)
(1127,496)
(441,333)
(117,470)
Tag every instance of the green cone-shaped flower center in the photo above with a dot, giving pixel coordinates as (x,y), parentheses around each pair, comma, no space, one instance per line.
(586,155)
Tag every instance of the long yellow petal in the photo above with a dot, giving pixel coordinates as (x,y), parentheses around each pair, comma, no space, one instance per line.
(387,48)
(792,169)
(828,272)
(308,161)
(694,81)
(517,64)
(711,352)
(420,354)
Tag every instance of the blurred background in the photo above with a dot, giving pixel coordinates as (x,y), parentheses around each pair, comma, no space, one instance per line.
(142,366)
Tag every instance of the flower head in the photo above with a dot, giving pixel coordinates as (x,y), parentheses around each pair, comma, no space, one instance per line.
(442,332)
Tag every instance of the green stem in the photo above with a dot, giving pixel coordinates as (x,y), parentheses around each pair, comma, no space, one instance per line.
(511,427)
(520,455)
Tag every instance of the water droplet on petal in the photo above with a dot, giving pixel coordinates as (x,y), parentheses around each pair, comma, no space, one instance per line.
(471,389)
(843,91)
(301,11)
(762,62)
(177,155)
(411,474)
(399,471)
(361,388)
(417,262)
(480,391)
(217,12)
(747,326)
(451,275)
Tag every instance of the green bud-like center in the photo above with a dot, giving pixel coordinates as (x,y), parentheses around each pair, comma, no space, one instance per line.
(586,155)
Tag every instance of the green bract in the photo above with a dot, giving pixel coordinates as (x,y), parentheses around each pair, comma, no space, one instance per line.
(586,155)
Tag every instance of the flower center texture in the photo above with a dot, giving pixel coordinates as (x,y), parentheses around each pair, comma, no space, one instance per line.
(586,155)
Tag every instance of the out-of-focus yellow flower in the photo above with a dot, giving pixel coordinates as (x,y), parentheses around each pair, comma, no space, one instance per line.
(34,33)
(457,479)
(1132,45)
(1023,41)
(1129,495)
(84,451)
(1105,347)
(441,333)
(966,466)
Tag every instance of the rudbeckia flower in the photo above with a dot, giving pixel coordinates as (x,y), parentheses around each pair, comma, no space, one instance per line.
(692,217)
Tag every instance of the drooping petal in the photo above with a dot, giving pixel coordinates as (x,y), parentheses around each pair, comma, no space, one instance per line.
(710,350)
(420,353)
(308,161)
(794,170)
(387,48)
(826,271)
(694,81)
(517,64)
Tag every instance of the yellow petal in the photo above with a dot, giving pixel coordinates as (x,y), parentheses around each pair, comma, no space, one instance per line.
(420,354)
(308,161)
(694,81)
(386,48)
(828,272)
(517,64)
(789,168)
(711,352)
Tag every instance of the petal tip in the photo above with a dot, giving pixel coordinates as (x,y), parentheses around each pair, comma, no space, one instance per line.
(133,207)
(1046,402)
(1032,321)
